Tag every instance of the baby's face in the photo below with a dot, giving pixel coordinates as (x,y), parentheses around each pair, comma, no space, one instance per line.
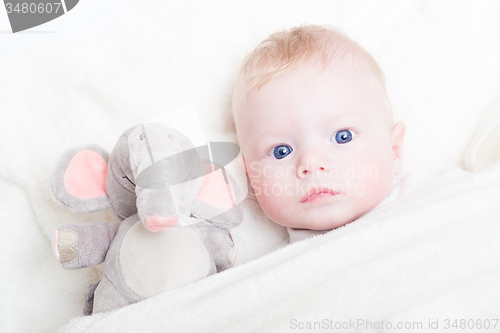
(319,146)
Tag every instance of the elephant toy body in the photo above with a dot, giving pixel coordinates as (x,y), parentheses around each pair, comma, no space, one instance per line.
(166,238)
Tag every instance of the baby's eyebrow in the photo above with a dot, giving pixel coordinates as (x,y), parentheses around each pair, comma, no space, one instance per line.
(266,136)
(259,138)
(262,141)
(344,119)
(337,122)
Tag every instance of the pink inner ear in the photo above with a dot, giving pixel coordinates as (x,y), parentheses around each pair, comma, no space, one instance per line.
(86,175)
(214,191)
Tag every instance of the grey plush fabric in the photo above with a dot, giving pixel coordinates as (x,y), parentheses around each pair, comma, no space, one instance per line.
(120,179)
(153,171)
(219,243)
(221,218)
(162,157)
(89,299)
(113,291)
(68,200)
(89,245)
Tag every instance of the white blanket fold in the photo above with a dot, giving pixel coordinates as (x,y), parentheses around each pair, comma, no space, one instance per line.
(434,257)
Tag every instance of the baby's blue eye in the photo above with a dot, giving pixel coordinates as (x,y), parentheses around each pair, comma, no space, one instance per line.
(344,136)
(281,151)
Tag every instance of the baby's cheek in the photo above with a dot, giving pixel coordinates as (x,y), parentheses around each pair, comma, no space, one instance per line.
(269,191)
(374,176)
(275,205)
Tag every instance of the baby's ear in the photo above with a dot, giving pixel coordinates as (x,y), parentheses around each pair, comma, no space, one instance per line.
(79,178)
(397,138)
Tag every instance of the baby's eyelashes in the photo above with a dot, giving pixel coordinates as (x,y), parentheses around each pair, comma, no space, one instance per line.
(343,136)
(280,151)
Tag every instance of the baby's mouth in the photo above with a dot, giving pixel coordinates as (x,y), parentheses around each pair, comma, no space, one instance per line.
(317,195)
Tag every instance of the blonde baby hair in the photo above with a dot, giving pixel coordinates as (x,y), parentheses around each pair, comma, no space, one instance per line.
(285,51)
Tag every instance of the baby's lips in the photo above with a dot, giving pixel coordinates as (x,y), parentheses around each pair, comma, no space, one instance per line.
(159,223)
(317,192)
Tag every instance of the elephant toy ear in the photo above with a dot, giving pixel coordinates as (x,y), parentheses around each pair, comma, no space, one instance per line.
(79,178)
(217,200)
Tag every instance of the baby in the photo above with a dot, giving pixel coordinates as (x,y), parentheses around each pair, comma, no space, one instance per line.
(316,129)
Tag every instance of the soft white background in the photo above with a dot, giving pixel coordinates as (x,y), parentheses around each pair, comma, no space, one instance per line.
(105,66)
(438,56)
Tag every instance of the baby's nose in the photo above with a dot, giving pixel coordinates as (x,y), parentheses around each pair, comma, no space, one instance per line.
(312,162)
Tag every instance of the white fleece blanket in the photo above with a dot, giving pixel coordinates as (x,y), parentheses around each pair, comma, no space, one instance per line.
(434,257)
(111,66)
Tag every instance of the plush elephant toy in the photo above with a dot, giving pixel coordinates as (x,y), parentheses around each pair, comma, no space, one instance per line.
(168,236)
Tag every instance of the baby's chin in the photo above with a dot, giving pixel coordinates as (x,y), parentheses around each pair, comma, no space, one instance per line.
(323,217)
(316,225)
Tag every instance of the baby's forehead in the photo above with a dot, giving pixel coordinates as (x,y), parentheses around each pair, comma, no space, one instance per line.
(342,93)
(345,82)
(339,71)
(316,112)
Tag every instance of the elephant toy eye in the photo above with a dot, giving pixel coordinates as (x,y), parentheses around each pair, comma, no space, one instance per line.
(141,137)
(125,177)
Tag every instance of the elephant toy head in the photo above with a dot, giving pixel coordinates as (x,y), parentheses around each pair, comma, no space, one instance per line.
(154,171)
